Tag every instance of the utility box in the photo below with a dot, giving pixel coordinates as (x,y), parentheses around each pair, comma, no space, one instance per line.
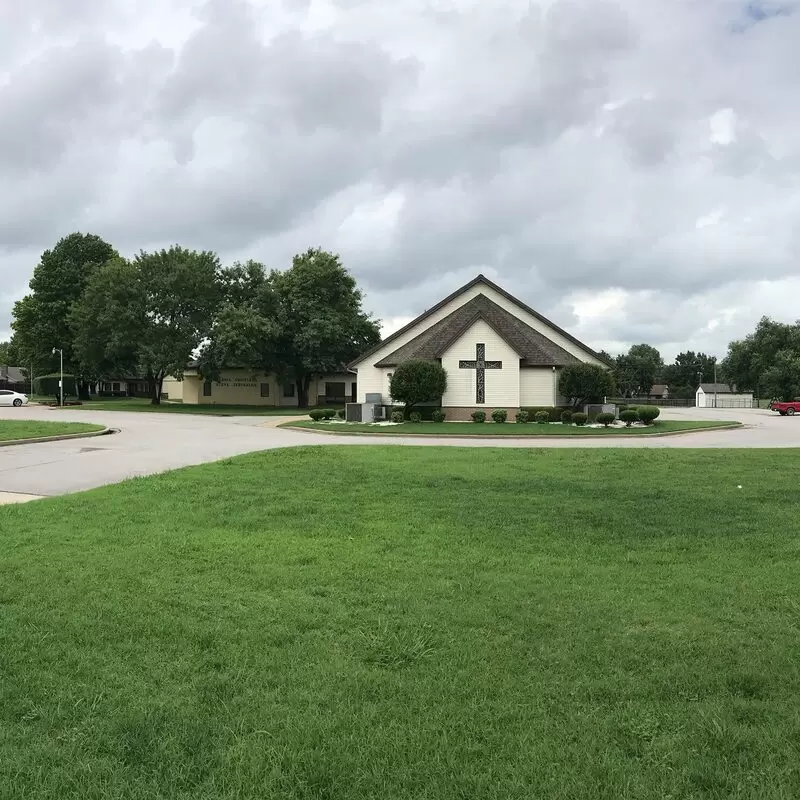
(593,409)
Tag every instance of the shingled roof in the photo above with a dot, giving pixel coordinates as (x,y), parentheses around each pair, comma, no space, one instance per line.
(534,349)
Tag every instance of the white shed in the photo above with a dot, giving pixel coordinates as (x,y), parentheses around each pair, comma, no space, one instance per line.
(721,395)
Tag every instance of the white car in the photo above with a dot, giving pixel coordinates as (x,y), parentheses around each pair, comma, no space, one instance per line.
(9,398)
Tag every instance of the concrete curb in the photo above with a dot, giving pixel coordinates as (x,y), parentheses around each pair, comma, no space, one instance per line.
(531,437)
(61,438)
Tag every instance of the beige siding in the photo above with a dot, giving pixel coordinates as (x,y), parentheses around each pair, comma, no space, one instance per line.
(173,388)
(502,385)
(537,386)
(368,374)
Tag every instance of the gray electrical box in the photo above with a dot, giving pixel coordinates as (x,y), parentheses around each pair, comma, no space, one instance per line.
(374,397)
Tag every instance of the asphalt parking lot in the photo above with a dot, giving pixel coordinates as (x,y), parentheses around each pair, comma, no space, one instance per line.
(148,443)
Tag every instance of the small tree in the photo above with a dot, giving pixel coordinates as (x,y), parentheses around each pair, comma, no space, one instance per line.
(585,383)
(418,381)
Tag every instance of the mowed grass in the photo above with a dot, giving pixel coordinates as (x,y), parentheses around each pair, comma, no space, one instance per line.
(220,410)
(13,430)
(430,623)
(506,429)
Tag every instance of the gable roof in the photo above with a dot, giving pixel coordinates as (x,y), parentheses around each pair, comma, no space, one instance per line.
(533,348)
(11,374)
(719,388)
(478,279)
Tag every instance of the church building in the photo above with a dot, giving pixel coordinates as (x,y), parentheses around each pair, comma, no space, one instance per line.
(497,352)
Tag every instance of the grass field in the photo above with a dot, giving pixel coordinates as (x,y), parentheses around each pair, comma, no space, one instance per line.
(12,430)
(427,623)
(144,405)
(506,429)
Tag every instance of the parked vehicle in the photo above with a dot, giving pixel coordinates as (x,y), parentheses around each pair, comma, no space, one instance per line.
(786,409)
(9,398)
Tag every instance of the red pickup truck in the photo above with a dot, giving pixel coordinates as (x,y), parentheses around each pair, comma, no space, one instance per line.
(786,408)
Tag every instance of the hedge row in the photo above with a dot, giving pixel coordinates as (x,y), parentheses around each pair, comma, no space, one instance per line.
(554,412)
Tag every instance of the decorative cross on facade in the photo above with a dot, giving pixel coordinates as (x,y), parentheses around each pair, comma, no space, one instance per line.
(480,365)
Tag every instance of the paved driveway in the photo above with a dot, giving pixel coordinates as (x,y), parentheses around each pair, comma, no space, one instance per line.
(149,443)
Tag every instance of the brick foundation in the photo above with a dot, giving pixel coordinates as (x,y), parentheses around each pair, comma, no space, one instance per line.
(462,414)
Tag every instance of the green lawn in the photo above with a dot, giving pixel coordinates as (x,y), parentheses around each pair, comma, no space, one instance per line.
(506,429)
(31,429)
(143,404)
(427,623)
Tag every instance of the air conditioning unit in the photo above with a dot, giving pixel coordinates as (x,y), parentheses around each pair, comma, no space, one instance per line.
(378,413)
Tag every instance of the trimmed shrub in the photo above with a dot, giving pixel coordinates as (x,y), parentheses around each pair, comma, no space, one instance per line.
(415,417)
(554,411)
(580,418)
(648,414)
(478,416)
(522,417)
(629,416)
(397,416)
(499,415)
(605,419)
(317,414)
(438,415)
(542,417)
(566,417)
(426,412)
(48,385)
(328,413)
(418,381)
(340,414)
(622,407)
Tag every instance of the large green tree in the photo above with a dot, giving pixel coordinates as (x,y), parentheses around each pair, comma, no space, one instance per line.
(689,369)
(300,324)
(585,383)
(5,350)
(147,316)
(40,319)
(751,362)
(638,369)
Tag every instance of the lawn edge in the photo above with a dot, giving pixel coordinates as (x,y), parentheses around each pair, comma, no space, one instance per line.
(546,436)
(60,437)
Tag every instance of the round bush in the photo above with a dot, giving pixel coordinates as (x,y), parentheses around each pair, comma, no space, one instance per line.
(478,416)
(629,416)
(522,417)
(622,407)
(437,415)
(542,417)
(605,419)
(415,417)
(579,418)
(566,417)
(328,413)
(499,415)
(648,414)
(316,414)
(397,416)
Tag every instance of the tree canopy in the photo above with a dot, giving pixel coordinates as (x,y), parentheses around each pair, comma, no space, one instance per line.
(40,319)
(638,369)
(583,383)
(147,316)
(5,351)
(301,324)
(418,381)
(765,360)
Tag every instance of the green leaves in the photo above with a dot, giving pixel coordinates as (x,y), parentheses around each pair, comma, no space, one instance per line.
(418,381)
(582,383)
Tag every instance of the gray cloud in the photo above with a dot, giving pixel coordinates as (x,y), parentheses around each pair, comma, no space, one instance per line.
(568,148)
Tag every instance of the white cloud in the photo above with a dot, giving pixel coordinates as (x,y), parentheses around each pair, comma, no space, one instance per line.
(631,173)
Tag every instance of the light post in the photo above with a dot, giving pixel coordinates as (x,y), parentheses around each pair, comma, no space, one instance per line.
(61,377)
(715,381)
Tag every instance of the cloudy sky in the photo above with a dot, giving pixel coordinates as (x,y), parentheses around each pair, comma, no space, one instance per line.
(630,168)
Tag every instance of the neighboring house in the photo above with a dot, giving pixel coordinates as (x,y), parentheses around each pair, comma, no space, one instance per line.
(248,388)
(13,378)
(659,391)
(721,395)
(497,351)
(121,387)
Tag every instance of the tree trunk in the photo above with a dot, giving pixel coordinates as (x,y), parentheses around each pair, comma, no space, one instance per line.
(303,385)
(155,385)
(83,390)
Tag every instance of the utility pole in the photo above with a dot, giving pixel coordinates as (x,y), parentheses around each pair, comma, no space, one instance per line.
(715,382)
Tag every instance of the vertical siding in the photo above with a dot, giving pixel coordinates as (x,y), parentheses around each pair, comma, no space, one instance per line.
(537,386)
(502,385)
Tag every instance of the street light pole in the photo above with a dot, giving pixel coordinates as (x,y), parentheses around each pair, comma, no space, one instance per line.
(61,377)
(715,383)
